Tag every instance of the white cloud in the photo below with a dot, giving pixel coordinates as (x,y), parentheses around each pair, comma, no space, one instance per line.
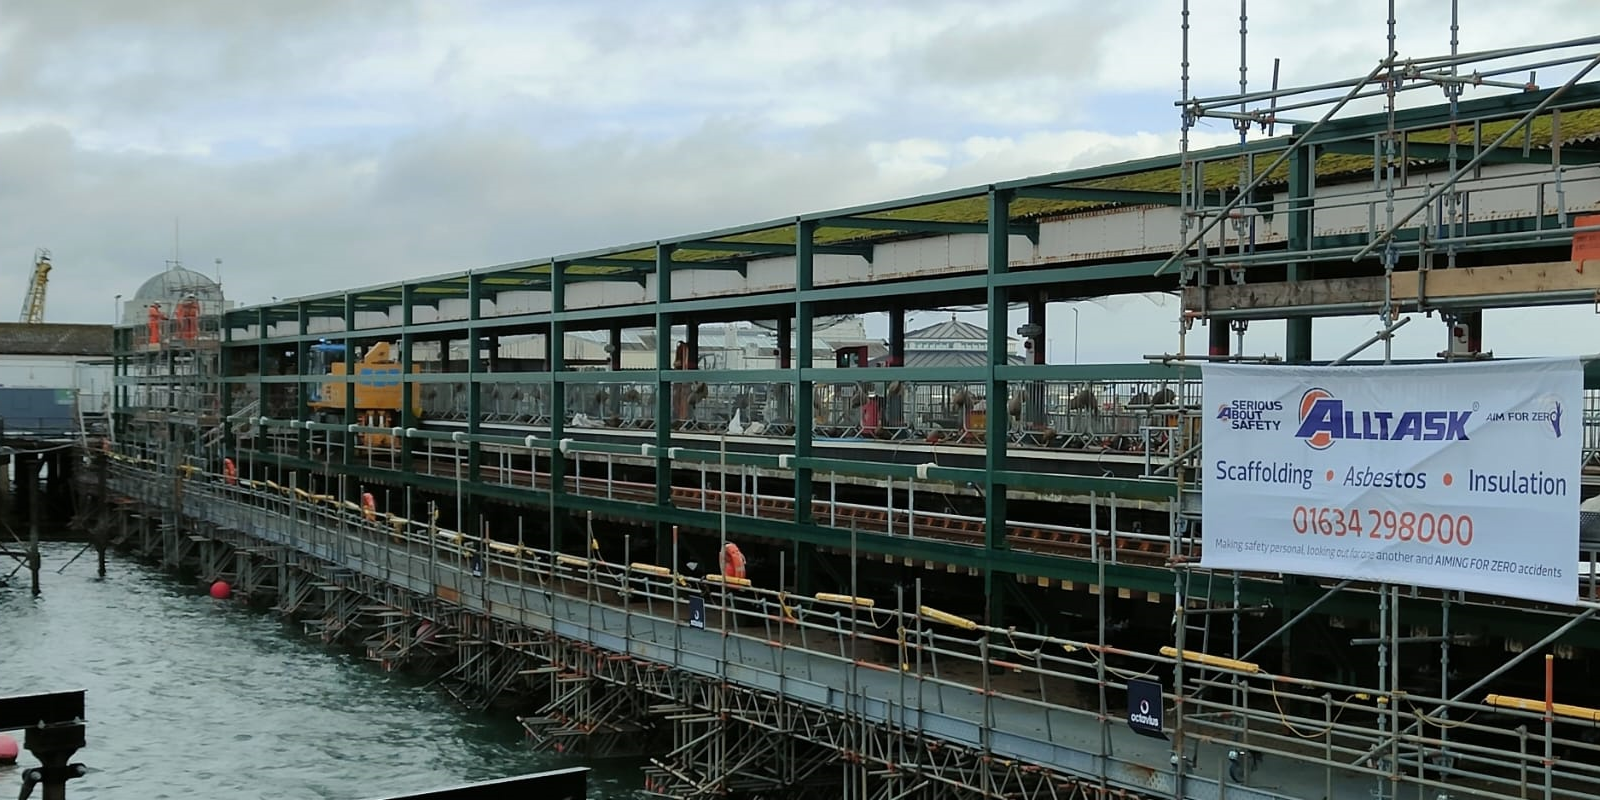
(319,144)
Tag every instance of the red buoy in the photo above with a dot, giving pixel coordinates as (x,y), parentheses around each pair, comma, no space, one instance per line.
(8,750)
(220,590)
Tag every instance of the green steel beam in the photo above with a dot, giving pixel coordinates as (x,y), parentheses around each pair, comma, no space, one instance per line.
(1131,197)
(599,277)
(1437,116)
(1335,131)
(636,265)
(408,342)
(1302,180)
(556,363)
(1045,276)
(1028,229)
(777,249)
(1012,373)
(1440,116)
(1428,151)
(302,395)
(261,371)
(474,391)
(997,418)
(805,236)
(349,389)
(823,375)
(664,398)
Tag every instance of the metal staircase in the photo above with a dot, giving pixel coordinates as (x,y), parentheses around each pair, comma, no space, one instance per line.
(232,425)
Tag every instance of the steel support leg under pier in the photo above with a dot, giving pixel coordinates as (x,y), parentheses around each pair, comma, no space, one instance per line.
(740,749)
(297,590)
(587,715)
(217,559)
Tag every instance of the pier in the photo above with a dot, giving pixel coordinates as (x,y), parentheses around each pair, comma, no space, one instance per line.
(977,578)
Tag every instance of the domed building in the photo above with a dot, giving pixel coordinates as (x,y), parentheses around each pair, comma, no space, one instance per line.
(168,288)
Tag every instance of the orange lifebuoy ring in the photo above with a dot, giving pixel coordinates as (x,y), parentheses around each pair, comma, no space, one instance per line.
(369,507)
(230,472)
(732,561)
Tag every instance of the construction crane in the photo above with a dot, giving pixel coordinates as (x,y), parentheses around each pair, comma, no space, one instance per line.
(33,304)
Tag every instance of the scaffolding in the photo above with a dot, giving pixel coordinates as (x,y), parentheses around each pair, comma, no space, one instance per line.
(169,380)
(893,701)
(1248,219)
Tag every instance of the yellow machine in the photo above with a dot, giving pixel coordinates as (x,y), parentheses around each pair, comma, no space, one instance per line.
(377,387)
(33,302)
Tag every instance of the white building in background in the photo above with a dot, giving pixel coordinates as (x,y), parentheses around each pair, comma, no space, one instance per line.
(90,376)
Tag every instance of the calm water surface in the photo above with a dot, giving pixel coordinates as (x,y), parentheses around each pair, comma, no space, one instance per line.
(190,697)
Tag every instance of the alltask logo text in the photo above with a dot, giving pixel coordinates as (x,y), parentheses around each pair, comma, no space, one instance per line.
(1325,420)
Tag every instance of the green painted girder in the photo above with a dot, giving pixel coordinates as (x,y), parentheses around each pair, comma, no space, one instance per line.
(1486,618)
(1439,116)
(1152,372)
(1505,154)
(820,375)
(1138,172)
(774,249)
(1056,483)
(1130,197)
(782,302)
(595,277)
(633,264)
(1549,223)
(1028,229)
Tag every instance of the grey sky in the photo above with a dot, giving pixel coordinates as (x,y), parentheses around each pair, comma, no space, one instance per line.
(318,144)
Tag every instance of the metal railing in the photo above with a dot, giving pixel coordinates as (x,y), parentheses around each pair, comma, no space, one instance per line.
(1294,733)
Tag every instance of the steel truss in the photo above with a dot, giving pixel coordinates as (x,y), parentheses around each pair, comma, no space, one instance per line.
(591,710)
(492,659)
(255,570)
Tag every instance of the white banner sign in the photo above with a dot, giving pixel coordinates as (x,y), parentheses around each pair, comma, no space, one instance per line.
(1454,476)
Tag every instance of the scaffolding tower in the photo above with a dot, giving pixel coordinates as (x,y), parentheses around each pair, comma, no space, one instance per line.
(1249,220)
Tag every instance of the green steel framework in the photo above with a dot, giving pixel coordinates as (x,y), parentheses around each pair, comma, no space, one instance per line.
(1339,151)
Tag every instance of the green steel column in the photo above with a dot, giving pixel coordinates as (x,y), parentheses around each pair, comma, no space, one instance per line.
(408,411)
(474,401)
(302,404)
(1297,344)
(349,415)
(994,489)
(664,350)
(225,367)
(263,409)
(1302,163)
(804,263)
(557,361)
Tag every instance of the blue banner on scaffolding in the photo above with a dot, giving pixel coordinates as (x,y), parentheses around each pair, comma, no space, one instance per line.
(697,611)
(1145,708)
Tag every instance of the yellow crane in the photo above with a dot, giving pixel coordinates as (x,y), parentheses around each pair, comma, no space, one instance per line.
(33,304)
